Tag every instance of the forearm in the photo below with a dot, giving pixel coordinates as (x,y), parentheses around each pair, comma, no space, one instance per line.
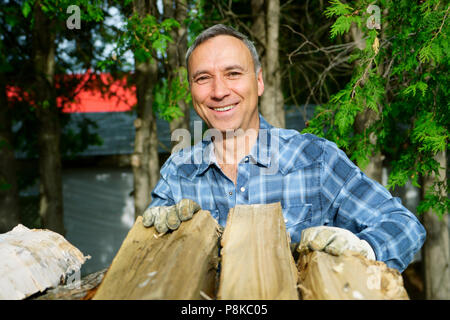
(396,236)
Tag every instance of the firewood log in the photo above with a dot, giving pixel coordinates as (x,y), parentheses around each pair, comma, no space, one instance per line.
(32,260)
(350,276)
(180,264)
(256,258)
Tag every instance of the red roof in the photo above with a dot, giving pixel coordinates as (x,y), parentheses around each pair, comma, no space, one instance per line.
(119,98)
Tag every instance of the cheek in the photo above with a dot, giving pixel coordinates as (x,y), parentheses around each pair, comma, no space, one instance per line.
(199,94)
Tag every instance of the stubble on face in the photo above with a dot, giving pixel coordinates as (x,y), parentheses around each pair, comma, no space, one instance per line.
(224,85)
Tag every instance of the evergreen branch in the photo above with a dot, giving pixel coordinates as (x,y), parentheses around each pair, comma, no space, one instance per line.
(442,24)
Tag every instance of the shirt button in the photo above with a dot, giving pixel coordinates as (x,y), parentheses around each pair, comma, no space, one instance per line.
(246,159)
(242,189)
(230,193)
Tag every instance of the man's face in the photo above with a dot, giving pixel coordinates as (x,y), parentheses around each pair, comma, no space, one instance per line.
(224,85)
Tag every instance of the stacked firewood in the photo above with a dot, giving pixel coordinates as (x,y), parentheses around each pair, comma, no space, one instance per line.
(255,260)
(256,263)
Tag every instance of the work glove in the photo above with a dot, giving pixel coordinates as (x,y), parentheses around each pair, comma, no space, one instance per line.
(333,241)
(166,218)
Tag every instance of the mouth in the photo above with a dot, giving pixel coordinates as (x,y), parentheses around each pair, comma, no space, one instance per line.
(223,108)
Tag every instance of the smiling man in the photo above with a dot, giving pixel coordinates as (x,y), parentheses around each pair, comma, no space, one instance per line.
(328,203)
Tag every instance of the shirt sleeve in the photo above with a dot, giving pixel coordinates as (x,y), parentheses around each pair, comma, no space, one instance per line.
(365,207)
(162,194)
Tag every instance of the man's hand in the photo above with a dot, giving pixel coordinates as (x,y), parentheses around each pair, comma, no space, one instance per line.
(169,217)
(334,241)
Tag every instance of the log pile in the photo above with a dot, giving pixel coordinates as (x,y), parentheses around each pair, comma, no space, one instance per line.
(255,263)
(33,260)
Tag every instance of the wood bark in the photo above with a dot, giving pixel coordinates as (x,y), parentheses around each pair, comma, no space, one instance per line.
(266,28)
(176,52)
(363,121)
(368,117)
(145,160)
(256,259)
(347,277)
(74,291)
(49,132)
(9,194)
(34,260)
(178,265)
(435,251)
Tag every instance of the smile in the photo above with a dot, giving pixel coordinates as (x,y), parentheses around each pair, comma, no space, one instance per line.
(223,109)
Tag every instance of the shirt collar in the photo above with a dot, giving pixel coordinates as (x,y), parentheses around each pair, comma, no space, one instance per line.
(259,154)
(261,151)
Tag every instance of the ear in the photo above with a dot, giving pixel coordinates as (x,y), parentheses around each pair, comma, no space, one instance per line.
(259,79)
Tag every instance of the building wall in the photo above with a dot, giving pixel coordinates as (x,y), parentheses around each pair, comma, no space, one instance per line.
(98,212)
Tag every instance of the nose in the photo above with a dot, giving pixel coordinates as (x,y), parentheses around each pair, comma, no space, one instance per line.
(220,89)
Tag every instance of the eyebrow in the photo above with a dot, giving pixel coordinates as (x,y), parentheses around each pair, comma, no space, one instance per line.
(232,67)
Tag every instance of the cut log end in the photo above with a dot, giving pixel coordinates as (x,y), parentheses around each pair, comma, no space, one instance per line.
(349,276)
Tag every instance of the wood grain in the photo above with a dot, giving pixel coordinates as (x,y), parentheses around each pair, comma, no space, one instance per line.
(178,265)
(256,259)
(350,276)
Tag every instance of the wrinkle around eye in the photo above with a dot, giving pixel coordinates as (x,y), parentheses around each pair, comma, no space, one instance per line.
(202,80)
(234,75)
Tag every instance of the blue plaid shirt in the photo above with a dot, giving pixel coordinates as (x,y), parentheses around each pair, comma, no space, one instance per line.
(314,181)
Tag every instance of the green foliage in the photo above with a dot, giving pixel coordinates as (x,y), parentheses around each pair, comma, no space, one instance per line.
(4,185)
(167,95)
(145,36)
(90,10)
(76,140)
(345,17)
(338,9)
(16,65)
(402,76)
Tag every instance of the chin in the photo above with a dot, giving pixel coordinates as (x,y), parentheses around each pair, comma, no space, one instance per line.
(223,126)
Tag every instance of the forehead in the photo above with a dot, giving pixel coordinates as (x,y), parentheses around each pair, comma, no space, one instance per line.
(220,52)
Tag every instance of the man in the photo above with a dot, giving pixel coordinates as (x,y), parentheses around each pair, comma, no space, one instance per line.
(327,202)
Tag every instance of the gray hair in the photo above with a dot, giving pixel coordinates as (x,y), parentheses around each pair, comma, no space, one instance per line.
(220,29)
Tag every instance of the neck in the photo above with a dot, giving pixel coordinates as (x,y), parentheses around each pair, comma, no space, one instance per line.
(233,145)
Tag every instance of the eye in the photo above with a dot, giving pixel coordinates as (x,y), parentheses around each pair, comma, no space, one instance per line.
(234,74)
(201,79)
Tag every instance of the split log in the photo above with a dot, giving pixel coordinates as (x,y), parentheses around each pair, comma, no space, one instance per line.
(256,258)
(33,260)
(177,265)
(350,276)
(78,290)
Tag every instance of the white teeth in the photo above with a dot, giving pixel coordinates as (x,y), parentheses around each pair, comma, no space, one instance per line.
(225,108)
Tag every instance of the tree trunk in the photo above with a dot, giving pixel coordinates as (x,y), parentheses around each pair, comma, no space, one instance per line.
(266,27)
(363,121)
(145,160)
(176,52)
(9,194)
(257,263)
(435,252)
(178,265)
(49,132)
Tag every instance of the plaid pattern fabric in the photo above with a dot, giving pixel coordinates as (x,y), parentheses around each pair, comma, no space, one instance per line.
(314,181)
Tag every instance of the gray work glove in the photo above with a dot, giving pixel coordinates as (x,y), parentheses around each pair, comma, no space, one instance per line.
(166,218)
(334,241)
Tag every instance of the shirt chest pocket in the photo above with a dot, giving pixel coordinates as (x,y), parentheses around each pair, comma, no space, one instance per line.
(297,217)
